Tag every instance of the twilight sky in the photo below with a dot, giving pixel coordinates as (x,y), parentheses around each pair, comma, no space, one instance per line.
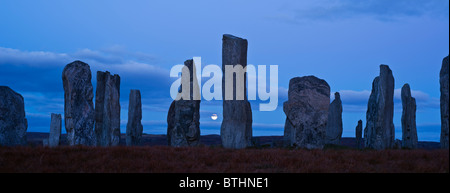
(340,41)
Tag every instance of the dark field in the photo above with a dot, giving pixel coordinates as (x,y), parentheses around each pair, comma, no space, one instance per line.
(164,159)
(155,157)
(35,139)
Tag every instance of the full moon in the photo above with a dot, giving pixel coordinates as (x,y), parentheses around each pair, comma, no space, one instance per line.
(214,116)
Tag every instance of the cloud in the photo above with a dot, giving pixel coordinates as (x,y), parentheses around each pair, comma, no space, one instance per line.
(423,100)
(36,75)
(356,101)
(32,58)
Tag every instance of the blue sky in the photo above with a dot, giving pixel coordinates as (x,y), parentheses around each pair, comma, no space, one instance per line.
(340,41)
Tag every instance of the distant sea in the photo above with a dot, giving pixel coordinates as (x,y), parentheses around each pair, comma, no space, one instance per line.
(425,133)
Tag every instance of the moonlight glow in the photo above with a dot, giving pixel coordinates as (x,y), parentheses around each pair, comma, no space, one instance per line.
(214,116)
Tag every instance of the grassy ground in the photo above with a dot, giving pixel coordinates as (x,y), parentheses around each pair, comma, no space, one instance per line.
(163,159)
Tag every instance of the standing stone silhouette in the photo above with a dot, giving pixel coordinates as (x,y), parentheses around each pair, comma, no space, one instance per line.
(380,132)
(443,79)
(236,128)
(134,125)
(55,130)
(183,118)
(306,112)
(359,141)
(409,131)
(107,109)
(78,105)
(334,124)
(13,124)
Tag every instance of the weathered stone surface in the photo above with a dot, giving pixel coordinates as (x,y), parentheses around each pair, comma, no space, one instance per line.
(397,144)
(379,132)
(107,109)
(236,128)
(183,118)
(78,105)
(334,125)
(443,79)
(13,124)
(55,130)
(409,131)
(134,125)
(359,140)
(307,112)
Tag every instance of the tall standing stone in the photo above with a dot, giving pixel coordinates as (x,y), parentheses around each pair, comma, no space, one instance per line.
(78,105)
(380,132)
(409,131)
(183,118)
(359,142)
(443,79)
(13,124)
(55,130)
(307,112)
(134,125)
(107,109)
(236,128)
(334,125)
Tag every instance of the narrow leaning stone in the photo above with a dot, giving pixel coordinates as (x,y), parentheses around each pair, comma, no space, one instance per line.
(334,125)
(134,125)
(409,131)
(107,109)
(443,79)
(55,130)
(359,142)
(236,128)
(183,118)
(380,132)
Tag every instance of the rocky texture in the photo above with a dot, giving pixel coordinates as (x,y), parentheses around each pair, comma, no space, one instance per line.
(307,112)
(334,129)
(13,124)
(443,79)
(409,131)
(359,141)
(78,105)
(183,118)
(107,109)
(134,125)
(236,128)
(55,130)
(379,132)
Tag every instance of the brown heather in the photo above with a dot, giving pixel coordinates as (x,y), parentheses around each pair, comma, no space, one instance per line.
(163,159)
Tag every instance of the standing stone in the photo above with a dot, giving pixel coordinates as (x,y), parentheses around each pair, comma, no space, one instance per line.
(183,118)
(443,79)
(359,142)
(409,131)
(107,109)
(236,128)
(134,125)
(334,125)
(307,112)
(13,124)
(380,132)
(55,130)
(78,105)
(45,142)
